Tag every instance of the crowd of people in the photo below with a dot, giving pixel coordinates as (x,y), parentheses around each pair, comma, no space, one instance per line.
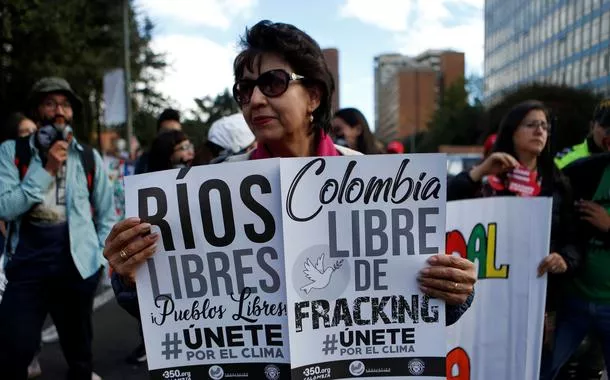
(62,218)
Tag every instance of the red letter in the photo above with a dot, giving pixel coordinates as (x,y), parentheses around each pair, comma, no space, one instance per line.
(456,243)
(458,357)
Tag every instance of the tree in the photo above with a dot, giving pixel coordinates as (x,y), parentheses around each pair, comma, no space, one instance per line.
(79,40)
(571,110)
(455,122)
(209,109)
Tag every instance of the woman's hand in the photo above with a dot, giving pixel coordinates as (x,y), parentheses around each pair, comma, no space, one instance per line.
(449,278)
(496,163)
(128,246)
(553,263)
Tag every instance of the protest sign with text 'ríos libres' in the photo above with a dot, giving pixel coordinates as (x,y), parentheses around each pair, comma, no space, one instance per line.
(212,299)
(357,230)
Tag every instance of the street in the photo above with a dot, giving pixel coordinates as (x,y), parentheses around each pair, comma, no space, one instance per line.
(115,336)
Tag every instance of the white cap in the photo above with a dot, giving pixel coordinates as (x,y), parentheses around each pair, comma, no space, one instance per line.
(231,133)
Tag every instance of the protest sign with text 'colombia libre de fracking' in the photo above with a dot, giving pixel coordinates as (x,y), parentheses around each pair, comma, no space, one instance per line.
(357,230)
(212,299)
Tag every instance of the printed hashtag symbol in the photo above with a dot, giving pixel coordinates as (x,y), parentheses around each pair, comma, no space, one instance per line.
(171,346)
(330,345)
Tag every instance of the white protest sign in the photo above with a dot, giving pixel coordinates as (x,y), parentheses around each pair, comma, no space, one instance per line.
(357,230)
(212,299)
(500,336)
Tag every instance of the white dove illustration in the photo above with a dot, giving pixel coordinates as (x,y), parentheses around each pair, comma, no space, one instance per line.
(319,275)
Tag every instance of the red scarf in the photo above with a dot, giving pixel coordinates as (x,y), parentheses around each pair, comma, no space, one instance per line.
(326,148)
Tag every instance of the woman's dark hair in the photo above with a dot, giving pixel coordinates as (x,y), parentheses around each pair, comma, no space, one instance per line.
(10,130)
(505,143)
(300,51)
(162,149)
(366,143)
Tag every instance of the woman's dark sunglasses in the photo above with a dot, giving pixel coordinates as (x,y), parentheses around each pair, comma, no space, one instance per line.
(271,83)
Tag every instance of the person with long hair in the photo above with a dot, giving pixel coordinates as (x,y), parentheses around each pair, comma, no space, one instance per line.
(523,142)
(351,129)
(170,150)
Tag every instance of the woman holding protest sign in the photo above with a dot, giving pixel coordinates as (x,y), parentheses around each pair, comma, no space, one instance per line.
(284,89)
(521,164)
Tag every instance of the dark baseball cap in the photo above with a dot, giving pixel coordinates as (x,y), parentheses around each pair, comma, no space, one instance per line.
(602,113)
(50,85)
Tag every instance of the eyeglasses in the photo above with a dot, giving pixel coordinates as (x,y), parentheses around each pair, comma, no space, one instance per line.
(272,83)
(536,124)
(52,104)
(184,147)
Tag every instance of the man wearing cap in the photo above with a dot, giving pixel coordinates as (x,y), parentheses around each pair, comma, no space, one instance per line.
(589,355)
(586,304)
(58,221)
(593,143)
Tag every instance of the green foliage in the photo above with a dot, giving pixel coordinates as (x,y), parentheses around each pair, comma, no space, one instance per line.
(78,40)
(209,109)
(455,122)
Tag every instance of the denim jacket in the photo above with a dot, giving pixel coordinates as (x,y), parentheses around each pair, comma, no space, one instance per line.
(87,232)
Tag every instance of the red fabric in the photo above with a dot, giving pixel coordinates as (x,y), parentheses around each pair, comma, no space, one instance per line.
(520,181)
(395,147)
(326,148)
(489,143)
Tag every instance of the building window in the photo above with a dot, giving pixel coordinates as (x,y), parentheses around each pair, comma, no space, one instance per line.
(595,4)
(593,72)
(588,6)
(605,26)
(586,36)
(577,46)
(595,25)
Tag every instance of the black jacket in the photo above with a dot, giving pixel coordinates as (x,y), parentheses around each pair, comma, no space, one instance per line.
(585,175)
(564,234)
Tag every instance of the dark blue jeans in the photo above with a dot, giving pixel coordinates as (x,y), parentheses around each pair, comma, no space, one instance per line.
(42,280)
(575,319)
(23,310)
